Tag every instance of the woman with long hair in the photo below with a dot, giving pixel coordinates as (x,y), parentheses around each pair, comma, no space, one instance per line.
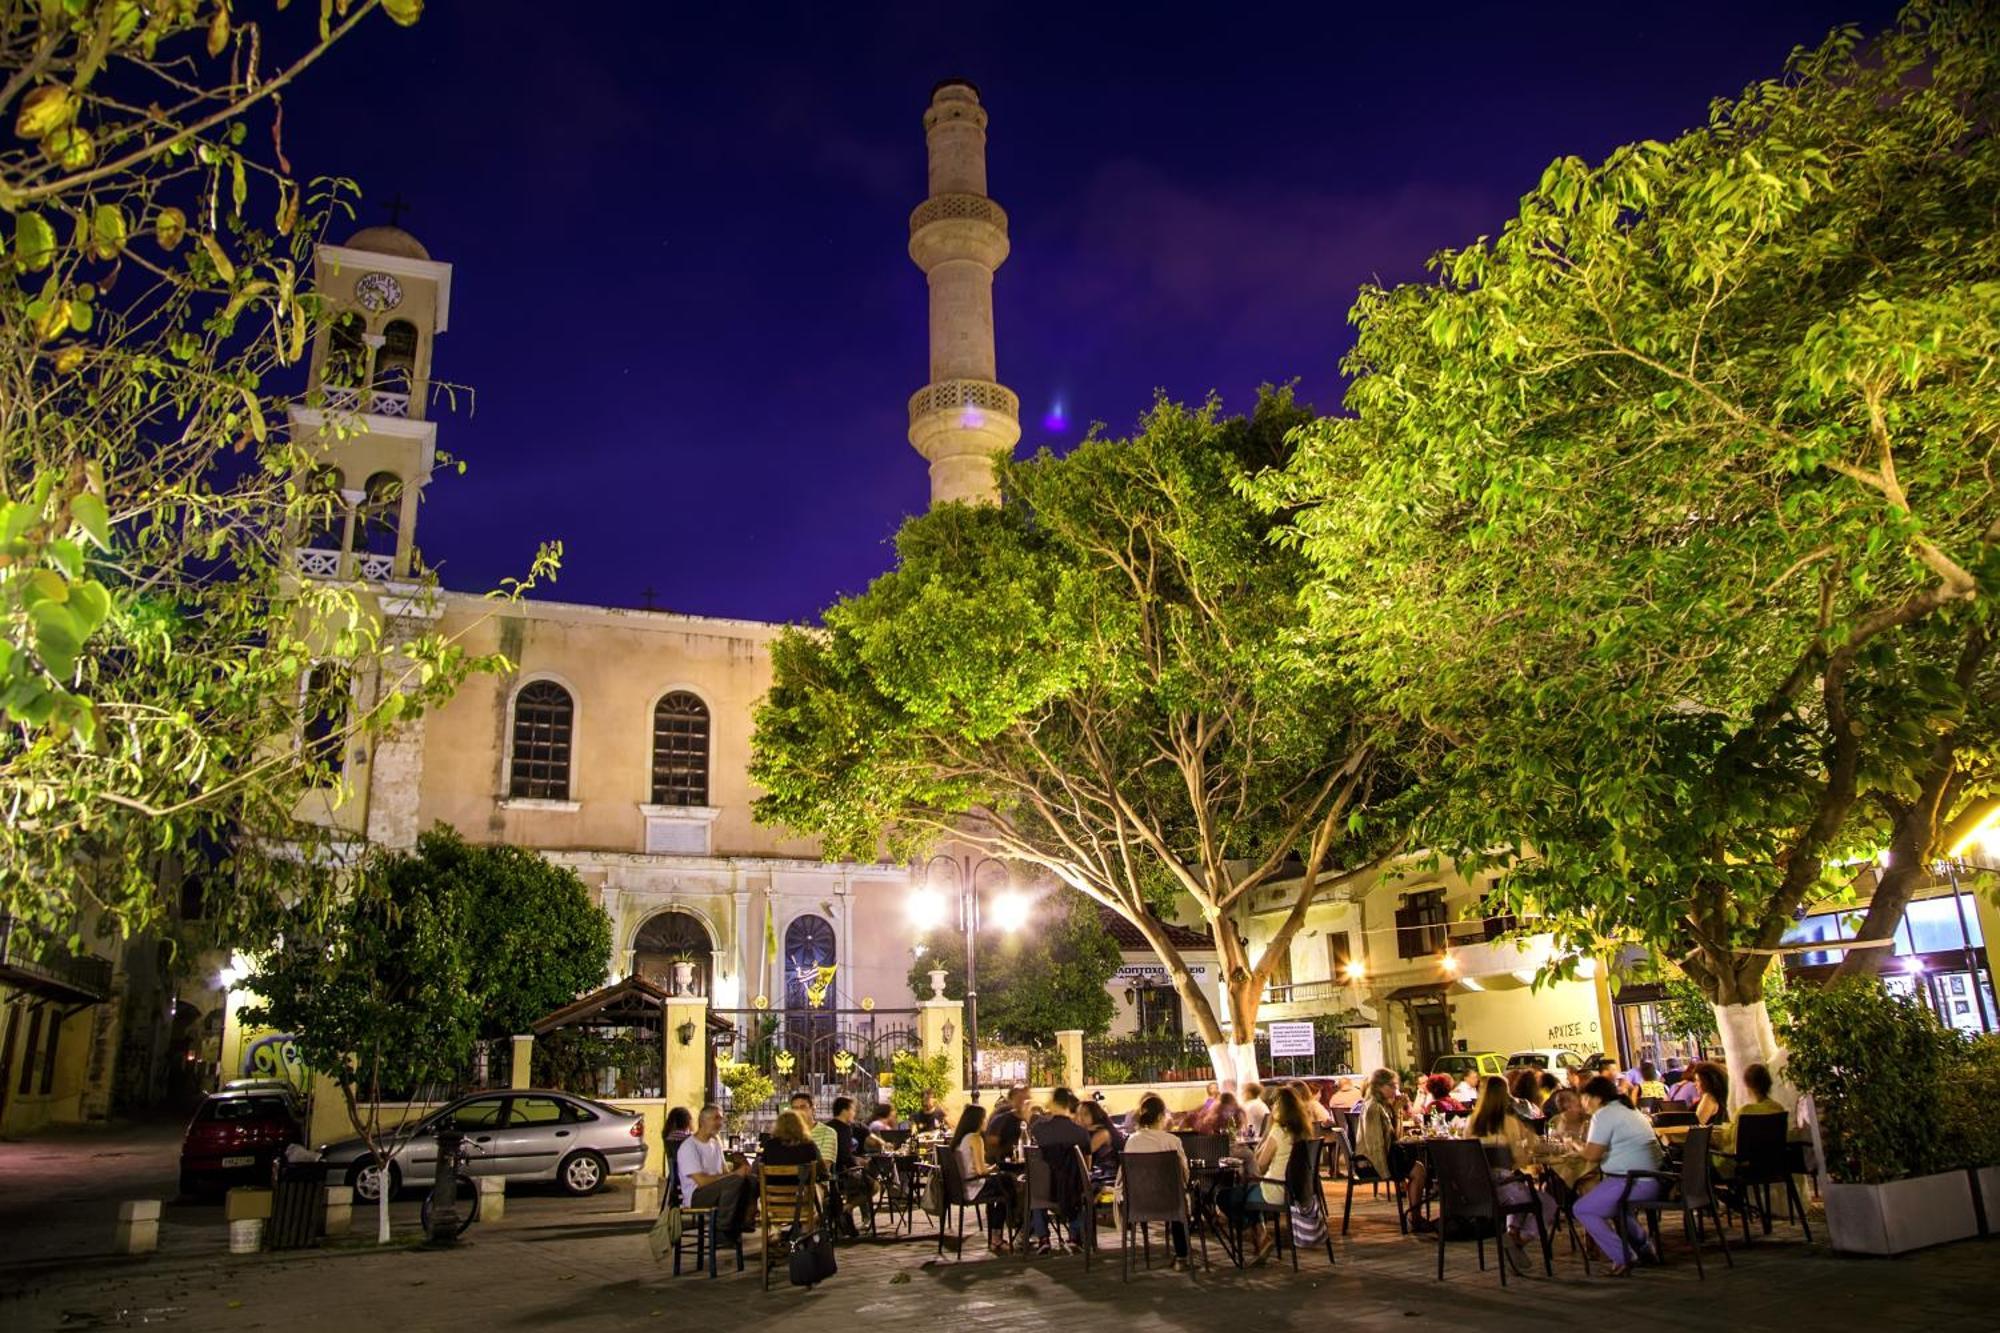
(1496,1125)
(1289,1125)
(982,1183)
(1712,1107)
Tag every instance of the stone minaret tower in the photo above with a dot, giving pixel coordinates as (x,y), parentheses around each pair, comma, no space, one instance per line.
(958,237)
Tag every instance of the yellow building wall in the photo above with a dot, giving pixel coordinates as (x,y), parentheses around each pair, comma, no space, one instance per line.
(62,1104)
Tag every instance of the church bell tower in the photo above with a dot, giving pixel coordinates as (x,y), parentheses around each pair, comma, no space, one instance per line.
(958,237)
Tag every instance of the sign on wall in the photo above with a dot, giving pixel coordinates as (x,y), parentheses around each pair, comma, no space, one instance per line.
(1288,1039)
(1153,972)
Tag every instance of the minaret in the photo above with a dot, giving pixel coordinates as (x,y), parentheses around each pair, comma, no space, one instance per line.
(958,237)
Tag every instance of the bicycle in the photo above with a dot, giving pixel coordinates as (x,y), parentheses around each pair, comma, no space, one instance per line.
(463,1191)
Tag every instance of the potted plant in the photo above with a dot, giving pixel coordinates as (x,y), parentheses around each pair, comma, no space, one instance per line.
(1972,1094)
(682,966)
(1880,1070)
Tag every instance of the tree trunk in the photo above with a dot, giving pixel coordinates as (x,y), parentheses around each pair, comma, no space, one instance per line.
(1747,1039)
(1245,995)
(382,1211)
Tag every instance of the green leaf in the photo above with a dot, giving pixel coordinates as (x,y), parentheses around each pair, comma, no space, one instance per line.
(404,12)
(34,242)
(107,231)
(91,515)
(57,638)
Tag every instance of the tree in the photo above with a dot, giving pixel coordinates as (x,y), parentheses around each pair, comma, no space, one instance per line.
(1672,509)
(381,1000)
(534,938)
(156,303)
(1037,982)
(1103,677)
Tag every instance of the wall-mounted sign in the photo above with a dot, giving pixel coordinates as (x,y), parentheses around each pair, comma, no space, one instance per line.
(1154,974)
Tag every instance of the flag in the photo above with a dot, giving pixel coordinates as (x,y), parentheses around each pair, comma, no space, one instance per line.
(770,935)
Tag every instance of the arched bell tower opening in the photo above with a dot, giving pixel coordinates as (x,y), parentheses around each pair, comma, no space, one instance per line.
(668,937)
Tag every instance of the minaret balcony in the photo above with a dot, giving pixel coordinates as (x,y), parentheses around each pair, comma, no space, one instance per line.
(320,563)
(958,226)
(955,417)
(370,402)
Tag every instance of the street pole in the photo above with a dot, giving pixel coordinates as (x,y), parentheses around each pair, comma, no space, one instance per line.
(969,914)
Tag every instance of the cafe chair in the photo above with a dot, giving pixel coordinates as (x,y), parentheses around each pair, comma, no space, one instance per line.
(1764,1159)
(698,1225)
(1361,1171)
(786,1197)
(1469,1204)
(1059,1186)
(1298,1184)
(955,1200)
(1156,1190)
(1691,1193)
(1672,1119)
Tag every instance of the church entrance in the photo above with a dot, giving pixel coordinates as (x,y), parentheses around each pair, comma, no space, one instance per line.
(670,937)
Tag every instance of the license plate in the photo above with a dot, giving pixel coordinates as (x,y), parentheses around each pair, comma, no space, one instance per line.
(249,1160)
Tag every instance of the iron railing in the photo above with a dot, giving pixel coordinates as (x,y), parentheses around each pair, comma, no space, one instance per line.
(1154,1059)
(824,1052)
(34,957)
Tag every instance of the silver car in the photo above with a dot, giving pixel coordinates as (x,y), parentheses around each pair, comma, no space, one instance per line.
(523,1135)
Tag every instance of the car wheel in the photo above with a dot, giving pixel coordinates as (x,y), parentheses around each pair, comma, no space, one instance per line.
(581,1173)
(366,1179)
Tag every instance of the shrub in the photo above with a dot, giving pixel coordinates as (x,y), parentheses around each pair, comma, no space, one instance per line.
(1882,1072)
(749,1088)
(914,1076)
(1967,1106)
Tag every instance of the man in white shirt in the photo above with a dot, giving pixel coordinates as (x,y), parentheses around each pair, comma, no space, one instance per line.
(707,1179)
(1466,1091)
(1255,1113)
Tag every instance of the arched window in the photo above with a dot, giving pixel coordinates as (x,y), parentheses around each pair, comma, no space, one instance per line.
(326,513)
(810,950)
(381,508)
(396,358)
(680,750)
(346,353)
(323,720)
(539,767)
(670,937)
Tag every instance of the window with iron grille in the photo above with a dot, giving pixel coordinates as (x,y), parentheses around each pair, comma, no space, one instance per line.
(1420,925)
(680,750)
(543,716)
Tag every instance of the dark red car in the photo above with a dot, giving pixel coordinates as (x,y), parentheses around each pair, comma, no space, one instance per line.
(234,1137)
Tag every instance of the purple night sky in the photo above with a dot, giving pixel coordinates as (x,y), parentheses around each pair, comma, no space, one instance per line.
(680,289)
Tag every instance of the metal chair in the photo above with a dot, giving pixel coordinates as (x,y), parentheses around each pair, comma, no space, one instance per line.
(1691,1193)
(1300,1180)
(1156,1190)
(1469,1199)
(955,1197)
(786,1197)
(1763,1159)
(1058,1184)
(1361,1171)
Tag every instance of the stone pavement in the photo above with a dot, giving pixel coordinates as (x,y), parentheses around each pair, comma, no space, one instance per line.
(552,1265)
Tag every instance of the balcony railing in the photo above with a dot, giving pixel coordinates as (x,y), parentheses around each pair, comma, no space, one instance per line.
(33,962)
(320,563)
(380,402)
(1305,992)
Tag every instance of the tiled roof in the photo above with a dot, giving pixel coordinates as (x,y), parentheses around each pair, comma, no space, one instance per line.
(1128,935)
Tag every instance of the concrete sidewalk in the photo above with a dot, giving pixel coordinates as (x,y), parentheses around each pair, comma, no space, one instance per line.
(550,1268)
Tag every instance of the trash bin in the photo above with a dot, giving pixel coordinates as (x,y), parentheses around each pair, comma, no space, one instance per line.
(298,1203)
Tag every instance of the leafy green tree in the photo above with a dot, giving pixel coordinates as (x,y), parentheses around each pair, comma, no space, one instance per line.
(381,999)
(155,310)
(1034,983)
(1103,677)
(535,938)
(1672,509)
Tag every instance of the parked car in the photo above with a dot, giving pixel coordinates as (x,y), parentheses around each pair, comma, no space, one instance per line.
(523,1135)
(235,1136)
(1480,1063)
(1555,1058)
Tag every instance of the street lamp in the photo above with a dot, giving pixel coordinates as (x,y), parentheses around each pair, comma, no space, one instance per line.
(930,909)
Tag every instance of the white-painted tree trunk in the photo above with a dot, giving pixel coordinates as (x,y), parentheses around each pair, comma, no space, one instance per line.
(382,1211)
(1235,1064)
(1747,1039)
(1245,1057)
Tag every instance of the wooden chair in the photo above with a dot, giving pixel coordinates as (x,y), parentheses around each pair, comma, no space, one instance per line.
(1691,1194)
(786,1196)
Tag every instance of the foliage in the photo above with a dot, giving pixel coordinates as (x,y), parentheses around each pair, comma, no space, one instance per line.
(1672,509)
(914,1075)
(155,301)
(1101,678)
(1110,1069)
(1878,1066)
(1034,983)
(1965,1105)
(573,1059)
(533,933)
(749,1088)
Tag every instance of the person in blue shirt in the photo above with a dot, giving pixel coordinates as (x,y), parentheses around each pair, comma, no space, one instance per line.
(1619,1142)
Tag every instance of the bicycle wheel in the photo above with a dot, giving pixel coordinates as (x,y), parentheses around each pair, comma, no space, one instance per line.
(466,1207)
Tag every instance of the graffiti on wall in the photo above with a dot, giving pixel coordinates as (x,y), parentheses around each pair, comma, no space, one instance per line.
(274,1055)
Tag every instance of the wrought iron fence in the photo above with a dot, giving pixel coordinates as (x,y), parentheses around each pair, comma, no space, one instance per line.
(824,1052)
(1154,1059)
(36,957)
(596,1062)
(1003,1065)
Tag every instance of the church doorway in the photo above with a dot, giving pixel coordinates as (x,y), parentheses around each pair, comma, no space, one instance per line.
(670,937)
(811,957)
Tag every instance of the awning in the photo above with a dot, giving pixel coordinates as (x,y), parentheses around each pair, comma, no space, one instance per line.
(1424,991)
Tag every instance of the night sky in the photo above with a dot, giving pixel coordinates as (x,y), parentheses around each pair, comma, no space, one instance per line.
(681,296)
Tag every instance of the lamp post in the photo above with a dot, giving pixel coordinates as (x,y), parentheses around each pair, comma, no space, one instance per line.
(927,912)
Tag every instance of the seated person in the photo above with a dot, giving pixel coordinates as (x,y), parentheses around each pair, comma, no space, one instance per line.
(1346,1092)
(790,1144)
(1255,1112)
(1712,1106)
(1437,1097)
(1465,1090)
(1151,1136)
(883,1119)
(1524,1094)
(930,1117)
(1056,1132)
(856,1190)
(1289,1125)
(1008,1123)
(1221,1116)
(1757,1079)
(1652,1088)
(708,1181)
(983,1185)
(1495,1124)
(1107,1141)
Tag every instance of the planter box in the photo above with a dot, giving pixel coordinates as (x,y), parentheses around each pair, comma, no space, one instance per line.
(1900,1216)
(1987,1180)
